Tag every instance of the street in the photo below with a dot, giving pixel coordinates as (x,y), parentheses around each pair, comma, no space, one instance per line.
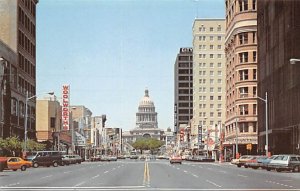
(148,175)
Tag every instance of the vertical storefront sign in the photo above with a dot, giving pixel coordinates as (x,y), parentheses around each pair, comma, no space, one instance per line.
(66,107)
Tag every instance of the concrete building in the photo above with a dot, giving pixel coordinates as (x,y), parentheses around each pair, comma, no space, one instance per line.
(82,117)
(241,76)
(18,35)
(48,125)
(279,41)
(183,73)
(97,133)
(208,82)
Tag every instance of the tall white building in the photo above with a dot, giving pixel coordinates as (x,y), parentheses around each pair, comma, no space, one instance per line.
(208,79)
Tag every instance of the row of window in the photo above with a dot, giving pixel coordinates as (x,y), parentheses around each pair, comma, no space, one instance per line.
(211,106)
(212,123)
(211,73)
(243,127)
(211,38)
(186,104)
(25,21)
(26,65)
(30,5)
(210,56)
(25,43)
(211,114)
(24,86)
(211,81)
(244,75)
(185,65)
(18,108)
(211,90)
(244,109)
(211,29)
(211,47)
(244,37)
(185,58)
(243,6)
(211,98)
(243,57)
(211,65)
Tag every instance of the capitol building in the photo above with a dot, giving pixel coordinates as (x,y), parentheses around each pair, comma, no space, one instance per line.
(146,122)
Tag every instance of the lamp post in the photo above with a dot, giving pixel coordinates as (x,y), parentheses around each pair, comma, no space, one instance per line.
(26,116)
(236,137)
(267,128)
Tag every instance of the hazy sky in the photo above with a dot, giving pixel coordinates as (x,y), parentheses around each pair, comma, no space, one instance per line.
(109,51)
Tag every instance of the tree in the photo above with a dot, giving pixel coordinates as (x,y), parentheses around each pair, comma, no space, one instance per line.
(147,144)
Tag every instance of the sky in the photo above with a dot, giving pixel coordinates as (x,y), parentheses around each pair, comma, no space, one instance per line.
(110,51)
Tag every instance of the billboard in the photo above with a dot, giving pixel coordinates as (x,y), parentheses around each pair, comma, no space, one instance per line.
(65,107)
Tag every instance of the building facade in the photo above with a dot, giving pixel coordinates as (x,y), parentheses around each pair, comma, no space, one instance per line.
(208,81)
(18,33)
(278,42)
(183,73)
(49,125)
(241,76)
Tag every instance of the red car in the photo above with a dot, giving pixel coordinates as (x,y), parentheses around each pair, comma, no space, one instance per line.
(176,159)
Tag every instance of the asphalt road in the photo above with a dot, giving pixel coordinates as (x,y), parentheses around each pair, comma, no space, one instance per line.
(148,175)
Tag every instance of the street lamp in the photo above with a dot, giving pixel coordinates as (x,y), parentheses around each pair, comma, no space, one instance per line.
(267,128)
(26,116)
(294,60)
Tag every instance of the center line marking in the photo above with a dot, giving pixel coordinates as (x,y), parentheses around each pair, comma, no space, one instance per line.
(79,184)
(106,172)
(213,183)
(242,175)
(46,176)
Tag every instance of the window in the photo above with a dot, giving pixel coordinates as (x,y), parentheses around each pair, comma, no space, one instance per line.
(254,91)
(211,29)
(211,114)
(254,109)
(243,75)
(219,65)
(211,38)
(219,114)
(211,106)
(219,98)
(200,47)
(254,4)
(219,55)
(211,47)
(219,106)
(219,28)
(254,36)
(254,56)
(243,57)
(211,97)
(211,56)
(244,110)
(243,38)
(211,90)
(219,90)
(219,47)
(211,81)
(219,73)
(204,106)
(243,92)
(211,123)
(211,73)
(14,104)
(254,74)
(52,122)
(211,65)
(219,81)
(219,38)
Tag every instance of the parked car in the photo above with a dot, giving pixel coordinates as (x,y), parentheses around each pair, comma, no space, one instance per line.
(96,158)
(176,159)
(121,157)
(78,159)
(244,159)
(285,162)
(134,157)
(252,160)
(113,158)
(255,163)
(15,163)
(46,158)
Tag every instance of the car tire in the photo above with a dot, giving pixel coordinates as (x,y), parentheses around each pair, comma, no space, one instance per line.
(278,170)
(245,166)
(268,169)
(238,165)
(23,168)
(296,169)
(55,164)
(35,165)
(15,169)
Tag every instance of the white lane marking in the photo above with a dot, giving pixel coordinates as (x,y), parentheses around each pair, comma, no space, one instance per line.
(269,181)
(200,166)
(12,184)
(223,171)
(114,169)
(213,183)
(195,175)
(79,184)
(185,171)
(67,172)
(119,166)
(99,165)
(47,176)
(95,176)
(178,168)
(106,172)
(242,175)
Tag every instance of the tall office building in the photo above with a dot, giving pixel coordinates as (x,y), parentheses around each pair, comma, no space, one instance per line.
(18,33)
(241,76)
(183,73)
(208,79)
(279,41)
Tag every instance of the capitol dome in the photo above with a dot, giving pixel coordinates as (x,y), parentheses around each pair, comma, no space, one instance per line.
(146,101)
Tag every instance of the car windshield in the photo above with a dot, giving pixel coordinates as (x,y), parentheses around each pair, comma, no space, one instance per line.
(150,95)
